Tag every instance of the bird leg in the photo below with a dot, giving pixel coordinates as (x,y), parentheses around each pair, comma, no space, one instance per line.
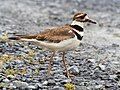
(50,62)
(63,59)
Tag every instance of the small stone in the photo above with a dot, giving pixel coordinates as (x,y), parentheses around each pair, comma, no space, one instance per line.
(10,76)
(102,67)
(92,60)
(118,72)
(115,45)
(74,70)
(51,82)
(45,83)
(78,79)
(19,61)
(1,78)
(119,83)
(62,77)
(4,88)
(57,80)
(108,85)
(65,81)
(38,85)
(55,63)
(32,87)
(20,84)
(57,71)
(80,88)
(58,88)
(6,80)
(98,86)
(24,79)
(11,86)
(115,62)
(113,76)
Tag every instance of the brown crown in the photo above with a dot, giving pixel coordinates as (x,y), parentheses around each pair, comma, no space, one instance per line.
(79,16)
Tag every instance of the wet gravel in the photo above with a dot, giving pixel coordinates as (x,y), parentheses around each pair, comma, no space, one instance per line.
(95,63)
(93,67)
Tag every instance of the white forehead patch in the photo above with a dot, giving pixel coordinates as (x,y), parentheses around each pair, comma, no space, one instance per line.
(79,15)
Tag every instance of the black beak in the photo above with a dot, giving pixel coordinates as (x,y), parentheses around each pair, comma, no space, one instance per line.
(91,21)
(87,19)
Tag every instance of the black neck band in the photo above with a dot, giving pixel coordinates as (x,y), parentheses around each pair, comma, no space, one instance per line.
(79,28)
(79,37)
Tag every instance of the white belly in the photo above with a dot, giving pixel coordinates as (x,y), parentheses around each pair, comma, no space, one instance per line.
(61,46)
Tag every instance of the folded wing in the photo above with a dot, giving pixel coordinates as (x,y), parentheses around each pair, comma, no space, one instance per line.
(51,35)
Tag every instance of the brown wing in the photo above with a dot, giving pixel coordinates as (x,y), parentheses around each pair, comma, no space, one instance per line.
(51,35)
(56,34)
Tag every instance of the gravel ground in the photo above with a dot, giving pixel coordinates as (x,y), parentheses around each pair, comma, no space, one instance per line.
(95,63)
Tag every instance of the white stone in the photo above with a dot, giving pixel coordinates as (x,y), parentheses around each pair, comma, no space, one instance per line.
(102,66)
(73,69)
(45,82)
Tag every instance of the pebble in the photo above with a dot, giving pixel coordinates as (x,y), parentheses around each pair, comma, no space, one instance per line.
(58,71)
(102,67)
(45,83)
(92,60)
(10,76)
(108,85)
(12,86)
(38,85)
(32,87)
(113,76)
(73,70)
(61,76)
(80,88)
(116,62)
(51,82)
(20,84)
(6,80)
(58,88)
(98,86)
(4,88)
(119,83)
(1,78)
(65,81)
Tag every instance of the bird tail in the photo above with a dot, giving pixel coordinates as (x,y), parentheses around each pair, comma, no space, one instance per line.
(14,38)
(23,37)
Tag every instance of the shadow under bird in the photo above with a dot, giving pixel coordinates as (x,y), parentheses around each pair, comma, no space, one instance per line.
(62,38)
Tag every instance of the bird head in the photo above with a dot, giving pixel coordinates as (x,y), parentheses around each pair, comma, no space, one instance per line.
(82,17)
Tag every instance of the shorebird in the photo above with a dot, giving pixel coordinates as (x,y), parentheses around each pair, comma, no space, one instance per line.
(62,38)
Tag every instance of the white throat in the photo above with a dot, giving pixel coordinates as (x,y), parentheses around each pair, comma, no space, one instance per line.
(78,23)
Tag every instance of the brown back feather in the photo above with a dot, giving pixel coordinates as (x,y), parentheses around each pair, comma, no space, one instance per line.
(52,35)
(56,34)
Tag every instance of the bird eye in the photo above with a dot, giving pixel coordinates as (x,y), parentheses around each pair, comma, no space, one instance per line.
(81,17)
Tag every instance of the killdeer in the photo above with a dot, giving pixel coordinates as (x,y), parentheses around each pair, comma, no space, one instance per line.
(62,38)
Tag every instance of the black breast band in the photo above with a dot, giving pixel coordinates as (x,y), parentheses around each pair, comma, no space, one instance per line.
(79,37)
(79,28)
